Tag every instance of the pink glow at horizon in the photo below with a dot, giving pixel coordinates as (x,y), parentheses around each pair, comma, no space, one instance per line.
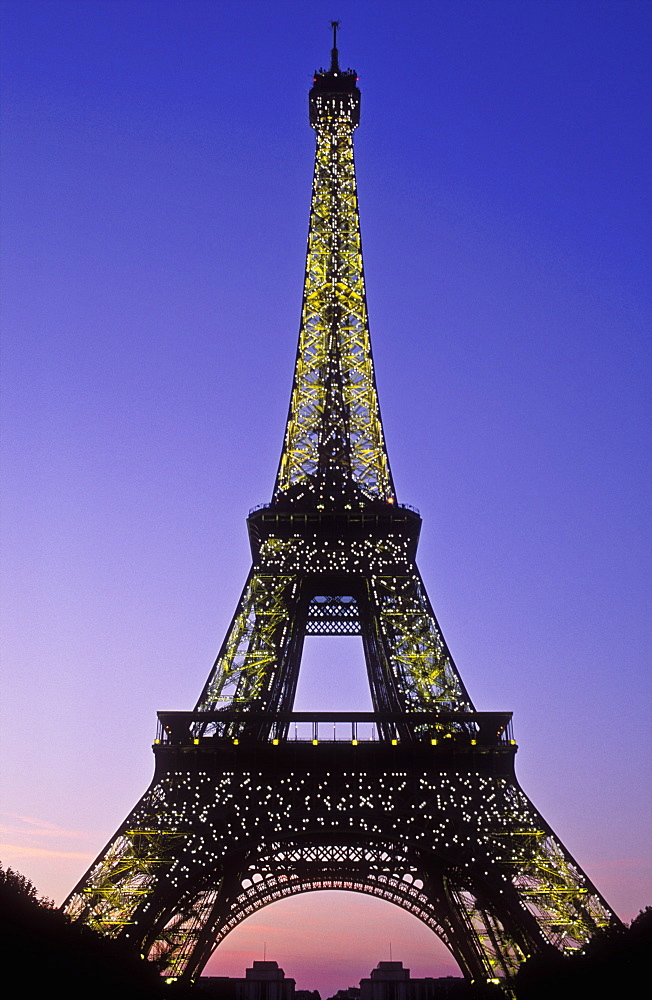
(156,174)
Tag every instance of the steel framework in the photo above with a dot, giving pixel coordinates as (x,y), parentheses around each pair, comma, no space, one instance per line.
(416,802)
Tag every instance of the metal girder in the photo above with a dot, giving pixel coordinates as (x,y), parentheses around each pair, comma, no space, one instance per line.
(329,615)
(256,645)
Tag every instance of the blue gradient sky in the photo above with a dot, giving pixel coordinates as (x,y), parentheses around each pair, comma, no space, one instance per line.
(157,164)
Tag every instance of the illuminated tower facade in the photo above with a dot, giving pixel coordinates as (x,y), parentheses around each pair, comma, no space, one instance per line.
(417,801)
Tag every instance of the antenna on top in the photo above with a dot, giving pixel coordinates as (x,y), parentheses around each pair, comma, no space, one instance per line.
(335,66)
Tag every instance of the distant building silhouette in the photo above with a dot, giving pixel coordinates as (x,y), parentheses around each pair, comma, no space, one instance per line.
(390,981)
(264,981)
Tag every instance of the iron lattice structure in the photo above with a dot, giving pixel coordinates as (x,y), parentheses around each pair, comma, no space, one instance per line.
(416,802)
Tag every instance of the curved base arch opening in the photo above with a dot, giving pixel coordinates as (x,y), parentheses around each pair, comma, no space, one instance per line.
(329,939)
(426,887)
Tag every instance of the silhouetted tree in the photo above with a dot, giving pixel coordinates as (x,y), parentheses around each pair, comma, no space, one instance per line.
(616,962)
(41,946)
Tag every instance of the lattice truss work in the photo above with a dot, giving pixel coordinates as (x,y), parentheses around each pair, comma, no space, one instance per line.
(430,816)
(334,433)
(409,664)
(466,853)
(333,616)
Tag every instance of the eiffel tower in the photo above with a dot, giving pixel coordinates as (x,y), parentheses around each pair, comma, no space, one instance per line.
(415,802)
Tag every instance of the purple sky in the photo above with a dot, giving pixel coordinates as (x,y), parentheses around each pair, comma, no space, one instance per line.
(157,163)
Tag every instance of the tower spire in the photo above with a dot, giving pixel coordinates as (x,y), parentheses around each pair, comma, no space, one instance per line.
(335,66)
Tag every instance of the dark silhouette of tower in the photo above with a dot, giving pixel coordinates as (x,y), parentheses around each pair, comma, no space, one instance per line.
(416,802)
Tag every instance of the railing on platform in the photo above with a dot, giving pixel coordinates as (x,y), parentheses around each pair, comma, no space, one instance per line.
(434,728)
(394,506)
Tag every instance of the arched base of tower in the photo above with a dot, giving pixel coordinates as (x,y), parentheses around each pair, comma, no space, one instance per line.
(444,832)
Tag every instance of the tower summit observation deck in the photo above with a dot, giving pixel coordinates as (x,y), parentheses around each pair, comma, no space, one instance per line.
(417,801)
